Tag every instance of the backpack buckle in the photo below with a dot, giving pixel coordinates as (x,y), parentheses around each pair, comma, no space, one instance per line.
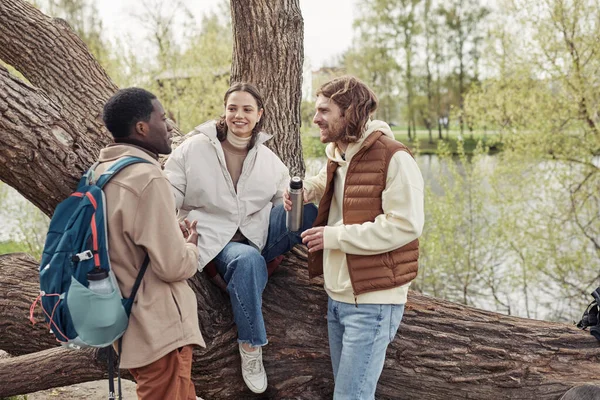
(86,255)
(90,175)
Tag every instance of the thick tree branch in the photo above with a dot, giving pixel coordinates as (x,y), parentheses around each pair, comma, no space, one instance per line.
(48,369)
(51,56)
(54,128)
(35,136)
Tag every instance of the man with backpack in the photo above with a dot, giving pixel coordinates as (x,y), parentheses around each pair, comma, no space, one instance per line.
(140,211)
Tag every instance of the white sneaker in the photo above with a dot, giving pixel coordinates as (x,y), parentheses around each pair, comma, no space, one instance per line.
(253,371)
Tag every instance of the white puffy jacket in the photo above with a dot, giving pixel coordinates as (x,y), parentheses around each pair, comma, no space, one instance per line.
(204,190)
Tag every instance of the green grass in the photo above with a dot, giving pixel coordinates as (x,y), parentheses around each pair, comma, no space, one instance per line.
(12,247)
(469,141)
(312,146)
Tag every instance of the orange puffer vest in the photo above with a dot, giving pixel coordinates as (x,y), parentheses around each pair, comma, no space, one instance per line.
(365,182)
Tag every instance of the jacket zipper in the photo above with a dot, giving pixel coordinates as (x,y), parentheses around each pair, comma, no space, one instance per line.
(242,180)
(350,164)
(223,165)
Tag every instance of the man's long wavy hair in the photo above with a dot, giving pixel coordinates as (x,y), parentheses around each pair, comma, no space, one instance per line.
(254,92)
(356,101)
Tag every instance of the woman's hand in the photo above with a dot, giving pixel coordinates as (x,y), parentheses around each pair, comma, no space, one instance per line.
(287,201)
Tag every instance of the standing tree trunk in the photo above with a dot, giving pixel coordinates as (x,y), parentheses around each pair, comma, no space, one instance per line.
(443,350)
(268,51)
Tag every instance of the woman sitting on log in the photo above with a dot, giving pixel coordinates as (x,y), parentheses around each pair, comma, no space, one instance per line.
(225,177)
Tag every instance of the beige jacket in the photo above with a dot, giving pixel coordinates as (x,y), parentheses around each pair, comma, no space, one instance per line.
(140,213)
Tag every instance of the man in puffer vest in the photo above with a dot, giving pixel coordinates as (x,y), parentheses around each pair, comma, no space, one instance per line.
(364,240)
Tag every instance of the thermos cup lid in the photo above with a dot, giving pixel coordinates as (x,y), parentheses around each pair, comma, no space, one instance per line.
(296,183)
(96,275)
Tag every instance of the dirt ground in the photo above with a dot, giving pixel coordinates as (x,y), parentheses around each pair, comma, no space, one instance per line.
(97,390)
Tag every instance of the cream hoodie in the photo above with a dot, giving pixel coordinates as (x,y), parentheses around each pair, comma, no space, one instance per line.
(401,222)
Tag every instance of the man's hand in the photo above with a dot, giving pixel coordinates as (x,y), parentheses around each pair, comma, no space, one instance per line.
(313,238)
(189,231)
(184,226)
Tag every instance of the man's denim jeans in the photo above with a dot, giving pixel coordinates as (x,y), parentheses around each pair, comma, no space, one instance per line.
(244,270)
(358,339)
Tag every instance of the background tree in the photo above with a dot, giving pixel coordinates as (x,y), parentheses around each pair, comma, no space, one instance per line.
(463,21)
(437,55)
(429,32)
(190,74)
(374,64)
(544,100)
(265,34)
(393,25)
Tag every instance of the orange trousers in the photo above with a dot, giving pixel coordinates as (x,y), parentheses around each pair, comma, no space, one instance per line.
(167,378)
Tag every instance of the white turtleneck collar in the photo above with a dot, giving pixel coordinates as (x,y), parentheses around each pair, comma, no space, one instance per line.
(238,142)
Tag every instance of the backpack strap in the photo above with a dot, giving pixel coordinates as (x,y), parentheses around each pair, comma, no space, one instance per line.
(111,372)
(128,304)
(116,167)
(88,176)
(102,180)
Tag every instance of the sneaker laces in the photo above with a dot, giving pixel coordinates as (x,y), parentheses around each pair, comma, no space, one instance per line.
(253,364)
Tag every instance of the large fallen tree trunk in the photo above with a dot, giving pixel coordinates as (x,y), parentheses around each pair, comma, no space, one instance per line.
(50,132)
(442,351)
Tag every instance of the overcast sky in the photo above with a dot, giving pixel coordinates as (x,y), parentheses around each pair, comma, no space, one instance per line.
(327,23)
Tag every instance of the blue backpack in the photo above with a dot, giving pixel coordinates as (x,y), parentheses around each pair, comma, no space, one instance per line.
(75,246)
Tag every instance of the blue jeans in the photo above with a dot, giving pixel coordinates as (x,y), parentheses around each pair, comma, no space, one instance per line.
(358,339)
(244,270)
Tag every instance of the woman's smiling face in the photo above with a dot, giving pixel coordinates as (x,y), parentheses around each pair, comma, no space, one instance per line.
(242,113)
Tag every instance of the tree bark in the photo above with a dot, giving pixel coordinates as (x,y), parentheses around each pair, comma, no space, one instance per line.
(62,367)
(19,287)
(268,52)
(51,123)
(442,351)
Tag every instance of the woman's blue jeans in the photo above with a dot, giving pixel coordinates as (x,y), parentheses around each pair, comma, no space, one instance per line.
(244,269)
